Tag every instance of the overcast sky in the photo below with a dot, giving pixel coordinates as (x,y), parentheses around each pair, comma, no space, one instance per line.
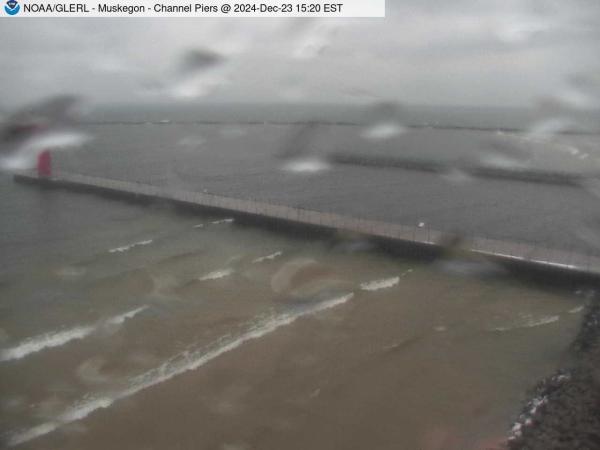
(504,52)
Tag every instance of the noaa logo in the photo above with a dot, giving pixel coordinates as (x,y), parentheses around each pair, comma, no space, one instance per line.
(12,7)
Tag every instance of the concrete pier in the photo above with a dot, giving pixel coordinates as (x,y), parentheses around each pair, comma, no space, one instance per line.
(421,237)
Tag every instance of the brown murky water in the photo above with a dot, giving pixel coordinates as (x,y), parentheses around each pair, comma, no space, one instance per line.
(179,331)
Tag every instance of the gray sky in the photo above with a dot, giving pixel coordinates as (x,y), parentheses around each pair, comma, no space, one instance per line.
(466,52)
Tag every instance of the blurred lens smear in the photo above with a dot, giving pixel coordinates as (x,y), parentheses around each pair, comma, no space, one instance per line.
(452,121)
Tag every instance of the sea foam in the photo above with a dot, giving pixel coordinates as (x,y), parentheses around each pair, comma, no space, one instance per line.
(61,337)
(380,284)
(128,247)
(176,365)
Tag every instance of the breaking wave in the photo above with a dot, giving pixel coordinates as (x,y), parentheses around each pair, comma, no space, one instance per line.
(178,364)
(267,257)
(58,338)
(380,284)
(218,222)
(216,275)
(529,323)
(126,248)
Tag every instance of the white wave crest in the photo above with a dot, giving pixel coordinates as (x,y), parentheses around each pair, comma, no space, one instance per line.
(218,222)
(178,364)
(216,275)
(118,320)
(267,257)
(380,284)
(126,248)
(58,338)
(43,341)
(529,323)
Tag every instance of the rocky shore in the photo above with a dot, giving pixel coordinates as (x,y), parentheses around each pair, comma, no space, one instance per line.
(564,410)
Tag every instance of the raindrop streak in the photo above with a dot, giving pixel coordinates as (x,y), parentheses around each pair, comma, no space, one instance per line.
(582,92)
(197,73)
(592,186)
(504,151)
(307,166)
(383,131)
(191,142)
(199,60)
(549,127)
(520,29)
(589,233)
(48,125)
(298,144)
(457,176)
(24,156)
(383,121)
(314,41)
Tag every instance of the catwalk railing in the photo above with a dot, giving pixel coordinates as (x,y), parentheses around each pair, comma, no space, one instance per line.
(510,251)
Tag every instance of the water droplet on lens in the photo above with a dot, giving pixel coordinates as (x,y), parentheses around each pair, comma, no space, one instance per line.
(383,131)
(383,121)
(191,142)
(232,131)
(199,60)
(589,232)
(307,166)
(197,73)
(505,151)
(549,127)
(314,40)
(519,29)
(298,144)
(48,125)
(592,186)
(457,176)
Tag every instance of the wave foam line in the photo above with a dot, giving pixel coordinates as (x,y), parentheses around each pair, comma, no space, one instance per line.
(126,248)
(119,319)
(178,364)
(218,222)
(383,283)
(530,323)
(380,284)
(216,275)
(58,338)
(267,257)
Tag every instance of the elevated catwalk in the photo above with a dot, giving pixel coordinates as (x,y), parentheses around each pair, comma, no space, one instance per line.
(420,238)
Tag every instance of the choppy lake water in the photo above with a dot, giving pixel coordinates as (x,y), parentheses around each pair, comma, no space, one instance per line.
(129,326)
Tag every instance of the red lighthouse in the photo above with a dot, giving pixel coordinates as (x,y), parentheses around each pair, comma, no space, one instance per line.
(44,164)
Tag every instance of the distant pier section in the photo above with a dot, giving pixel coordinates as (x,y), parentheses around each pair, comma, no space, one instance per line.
(418,237)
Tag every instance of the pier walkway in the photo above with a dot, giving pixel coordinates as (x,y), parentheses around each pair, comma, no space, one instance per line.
(418,236)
